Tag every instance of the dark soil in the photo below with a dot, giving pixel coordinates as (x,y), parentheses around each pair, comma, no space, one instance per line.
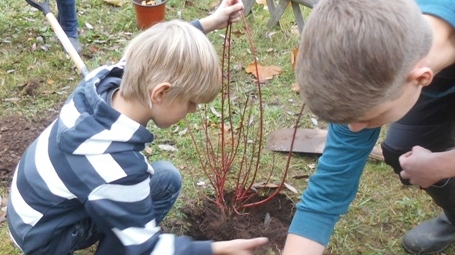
(16,134)
(206,221)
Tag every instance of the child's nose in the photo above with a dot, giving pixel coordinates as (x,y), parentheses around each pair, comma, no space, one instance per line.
(356,127)
(192,108)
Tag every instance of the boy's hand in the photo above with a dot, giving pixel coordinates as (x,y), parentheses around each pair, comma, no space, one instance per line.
(228,11)
(237,246)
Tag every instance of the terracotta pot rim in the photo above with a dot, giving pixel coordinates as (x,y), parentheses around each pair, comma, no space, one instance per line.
(139,3)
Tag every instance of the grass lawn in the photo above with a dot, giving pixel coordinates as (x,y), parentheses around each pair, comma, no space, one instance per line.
(29,51)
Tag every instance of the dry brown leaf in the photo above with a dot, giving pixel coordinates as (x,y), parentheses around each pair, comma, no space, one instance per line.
(189,3)
(262,2)
(238,33)
(265,185)
(214,5)
(301,176)
(265,72)
(115,2)
(294,54)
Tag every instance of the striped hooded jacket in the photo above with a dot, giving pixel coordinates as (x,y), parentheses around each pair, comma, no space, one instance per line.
(88,163)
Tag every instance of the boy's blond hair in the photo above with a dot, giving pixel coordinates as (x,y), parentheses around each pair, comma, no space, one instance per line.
(174,52)
(357,54)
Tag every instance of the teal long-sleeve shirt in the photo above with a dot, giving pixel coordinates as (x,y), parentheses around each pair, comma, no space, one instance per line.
(334,185)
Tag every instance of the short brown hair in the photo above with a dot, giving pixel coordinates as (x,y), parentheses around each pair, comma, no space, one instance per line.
(356,54)
(174,52)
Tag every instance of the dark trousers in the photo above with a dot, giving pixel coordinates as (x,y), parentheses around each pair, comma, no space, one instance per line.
(165,187)
(430,124)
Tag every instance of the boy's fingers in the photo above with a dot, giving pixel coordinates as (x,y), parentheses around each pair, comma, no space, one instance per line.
(255,242)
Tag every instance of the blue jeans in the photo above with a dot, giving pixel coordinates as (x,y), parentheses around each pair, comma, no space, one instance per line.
(165,187)
(67,17)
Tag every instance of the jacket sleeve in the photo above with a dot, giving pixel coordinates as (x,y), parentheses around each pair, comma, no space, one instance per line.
(124,212)
(197,24)
(334,185)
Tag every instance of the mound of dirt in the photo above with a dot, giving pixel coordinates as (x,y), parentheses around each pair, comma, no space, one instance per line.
(207,221)
(16,134)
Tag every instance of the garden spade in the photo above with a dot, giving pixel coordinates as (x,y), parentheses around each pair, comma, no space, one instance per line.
(63,38)
(311,141)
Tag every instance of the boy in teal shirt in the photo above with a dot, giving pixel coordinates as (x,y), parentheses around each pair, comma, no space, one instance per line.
(363,64)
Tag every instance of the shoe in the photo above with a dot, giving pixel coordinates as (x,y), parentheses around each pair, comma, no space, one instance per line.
(430,236)
(76,44)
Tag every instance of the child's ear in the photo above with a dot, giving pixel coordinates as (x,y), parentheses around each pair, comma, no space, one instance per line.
(158,93)
(421,75)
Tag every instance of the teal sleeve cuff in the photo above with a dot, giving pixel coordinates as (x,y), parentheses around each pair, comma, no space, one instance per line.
(334,185)
(313,226)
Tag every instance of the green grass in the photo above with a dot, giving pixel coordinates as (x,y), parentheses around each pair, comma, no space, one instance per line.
(383,209)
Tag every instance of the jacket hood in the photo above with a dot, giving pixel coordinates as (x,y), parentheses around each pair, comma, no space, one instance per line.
(87,125)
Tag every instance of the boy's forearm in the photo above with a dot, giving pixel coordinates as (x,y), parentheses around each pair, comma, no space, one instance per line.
(298,245)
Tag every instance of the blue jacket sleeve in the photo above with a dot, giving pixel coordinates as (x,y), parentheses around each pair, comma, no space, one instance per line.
(196,23)
(334,185)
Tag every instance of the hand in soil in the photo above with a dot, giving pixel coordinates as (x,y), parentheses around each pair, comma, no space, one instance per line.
(238,246)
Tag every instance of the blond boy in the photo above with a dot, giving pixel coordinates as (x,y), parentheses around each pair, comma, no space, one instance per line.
(85,179)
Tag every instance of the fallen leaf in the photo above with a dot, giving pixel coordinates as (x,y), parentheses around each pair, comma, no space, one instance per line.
(167,147)
(217,114)
(265,72)
(183,132)
(88,25)
(270,34)
(301,176)
(267,219)
(214,5)
(265,185)
(238,33)
(289,187)
(12,99)
(115,2)
(201,183)
(294,54)
(262,2)
(189,3)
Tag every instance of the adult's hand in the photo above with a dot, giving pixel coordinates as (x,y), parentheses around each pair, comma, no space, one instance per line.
(238,246)
(421,167)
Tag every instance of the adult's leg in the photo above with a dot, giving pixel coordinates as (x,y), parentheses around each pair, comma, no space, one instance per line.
(165,186)
(430,124)
(67,17)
